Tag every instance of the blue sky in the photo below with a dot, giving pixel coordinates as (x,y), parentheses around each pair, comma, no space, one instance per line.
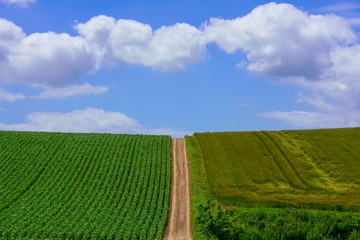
(178,67)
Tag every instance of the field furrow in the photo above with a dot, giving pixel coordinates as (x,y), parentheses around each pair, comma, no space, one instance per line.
(313,169)
(281,161)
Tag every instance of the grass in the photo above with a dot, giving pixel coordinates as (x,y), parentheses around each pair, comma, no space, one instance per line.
(83,186)
(298,168)
(275,185)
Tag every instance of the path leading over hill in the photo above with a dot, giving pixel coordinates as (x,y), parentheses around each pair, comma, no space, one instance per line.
(179,218)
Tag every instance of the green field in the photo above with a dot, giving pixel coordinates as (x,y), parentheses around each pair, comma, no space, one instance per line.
(83,186)
(272,184)
(313,167)
(245,185)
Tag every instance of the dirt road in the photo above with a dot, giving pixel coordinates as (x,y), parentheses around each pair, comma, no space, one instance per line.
(178,226)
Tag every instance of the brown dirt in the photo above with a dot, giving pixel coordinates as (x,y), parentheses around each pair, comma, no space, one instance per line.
(178,226)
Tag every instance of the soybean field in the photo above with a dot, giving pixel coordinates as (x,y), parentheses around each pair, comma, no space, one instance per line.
(83,186)
(303,168)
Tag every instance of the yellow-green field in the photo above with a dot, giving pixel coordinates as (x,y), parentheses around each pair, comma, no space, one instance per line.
(305,168)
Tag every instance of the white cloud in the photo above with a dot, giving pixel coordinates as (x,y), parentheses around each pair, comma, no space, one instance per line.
(73,90)
(10,34)
(54,60)
(317,52)
(316,119)
(341,84)
(10,37)
(56,92)
(96,31)
(20,3)
(2,109)
(10,97)
(88,120)
(336,98)
(282,41)
(168,48)
(50,59)
(278,39)
(175,47)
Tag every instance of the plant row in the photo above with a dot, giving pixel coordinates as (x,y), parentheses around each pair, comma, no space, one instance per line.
(77,186)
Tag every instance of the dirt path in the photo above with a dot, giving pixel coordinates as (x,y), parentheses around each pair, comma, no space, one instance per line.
(178,226)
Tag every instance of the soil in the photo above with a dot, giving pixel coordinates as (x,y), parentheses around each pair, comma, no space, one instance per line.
(179,225)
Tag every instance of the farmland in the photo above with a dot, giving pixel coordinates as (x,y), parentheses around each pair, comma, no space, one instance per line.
(244,185)
(271,185)
(287,167)
(75,186)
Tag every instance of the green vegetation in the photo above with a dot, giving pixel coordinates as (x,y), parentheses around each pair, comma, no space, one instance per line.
(300,168)
(237,178)
(212,222)
(83,186)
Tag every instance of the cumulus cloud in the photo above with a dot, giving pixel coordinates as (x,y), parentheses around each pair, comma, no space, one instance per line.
(176,47)
(10,34)
(336,98)
(73,90)
(278,40)
(88,120)
(317,52)
(282,41)
(10,37)
(168,48)
(50,59)
(20,3)
(57,60)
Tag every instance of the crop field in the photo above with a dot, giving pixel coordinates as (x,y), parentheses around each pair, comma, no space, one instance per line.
(83,186)
(275,185)
(301,168)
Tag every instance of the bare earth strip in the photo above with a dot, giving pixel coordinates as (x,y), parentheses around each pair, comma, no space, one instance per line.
(178,226)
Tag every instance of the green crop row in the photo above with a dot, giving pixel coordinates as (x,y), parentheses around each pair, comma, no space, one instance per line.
(83,186)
